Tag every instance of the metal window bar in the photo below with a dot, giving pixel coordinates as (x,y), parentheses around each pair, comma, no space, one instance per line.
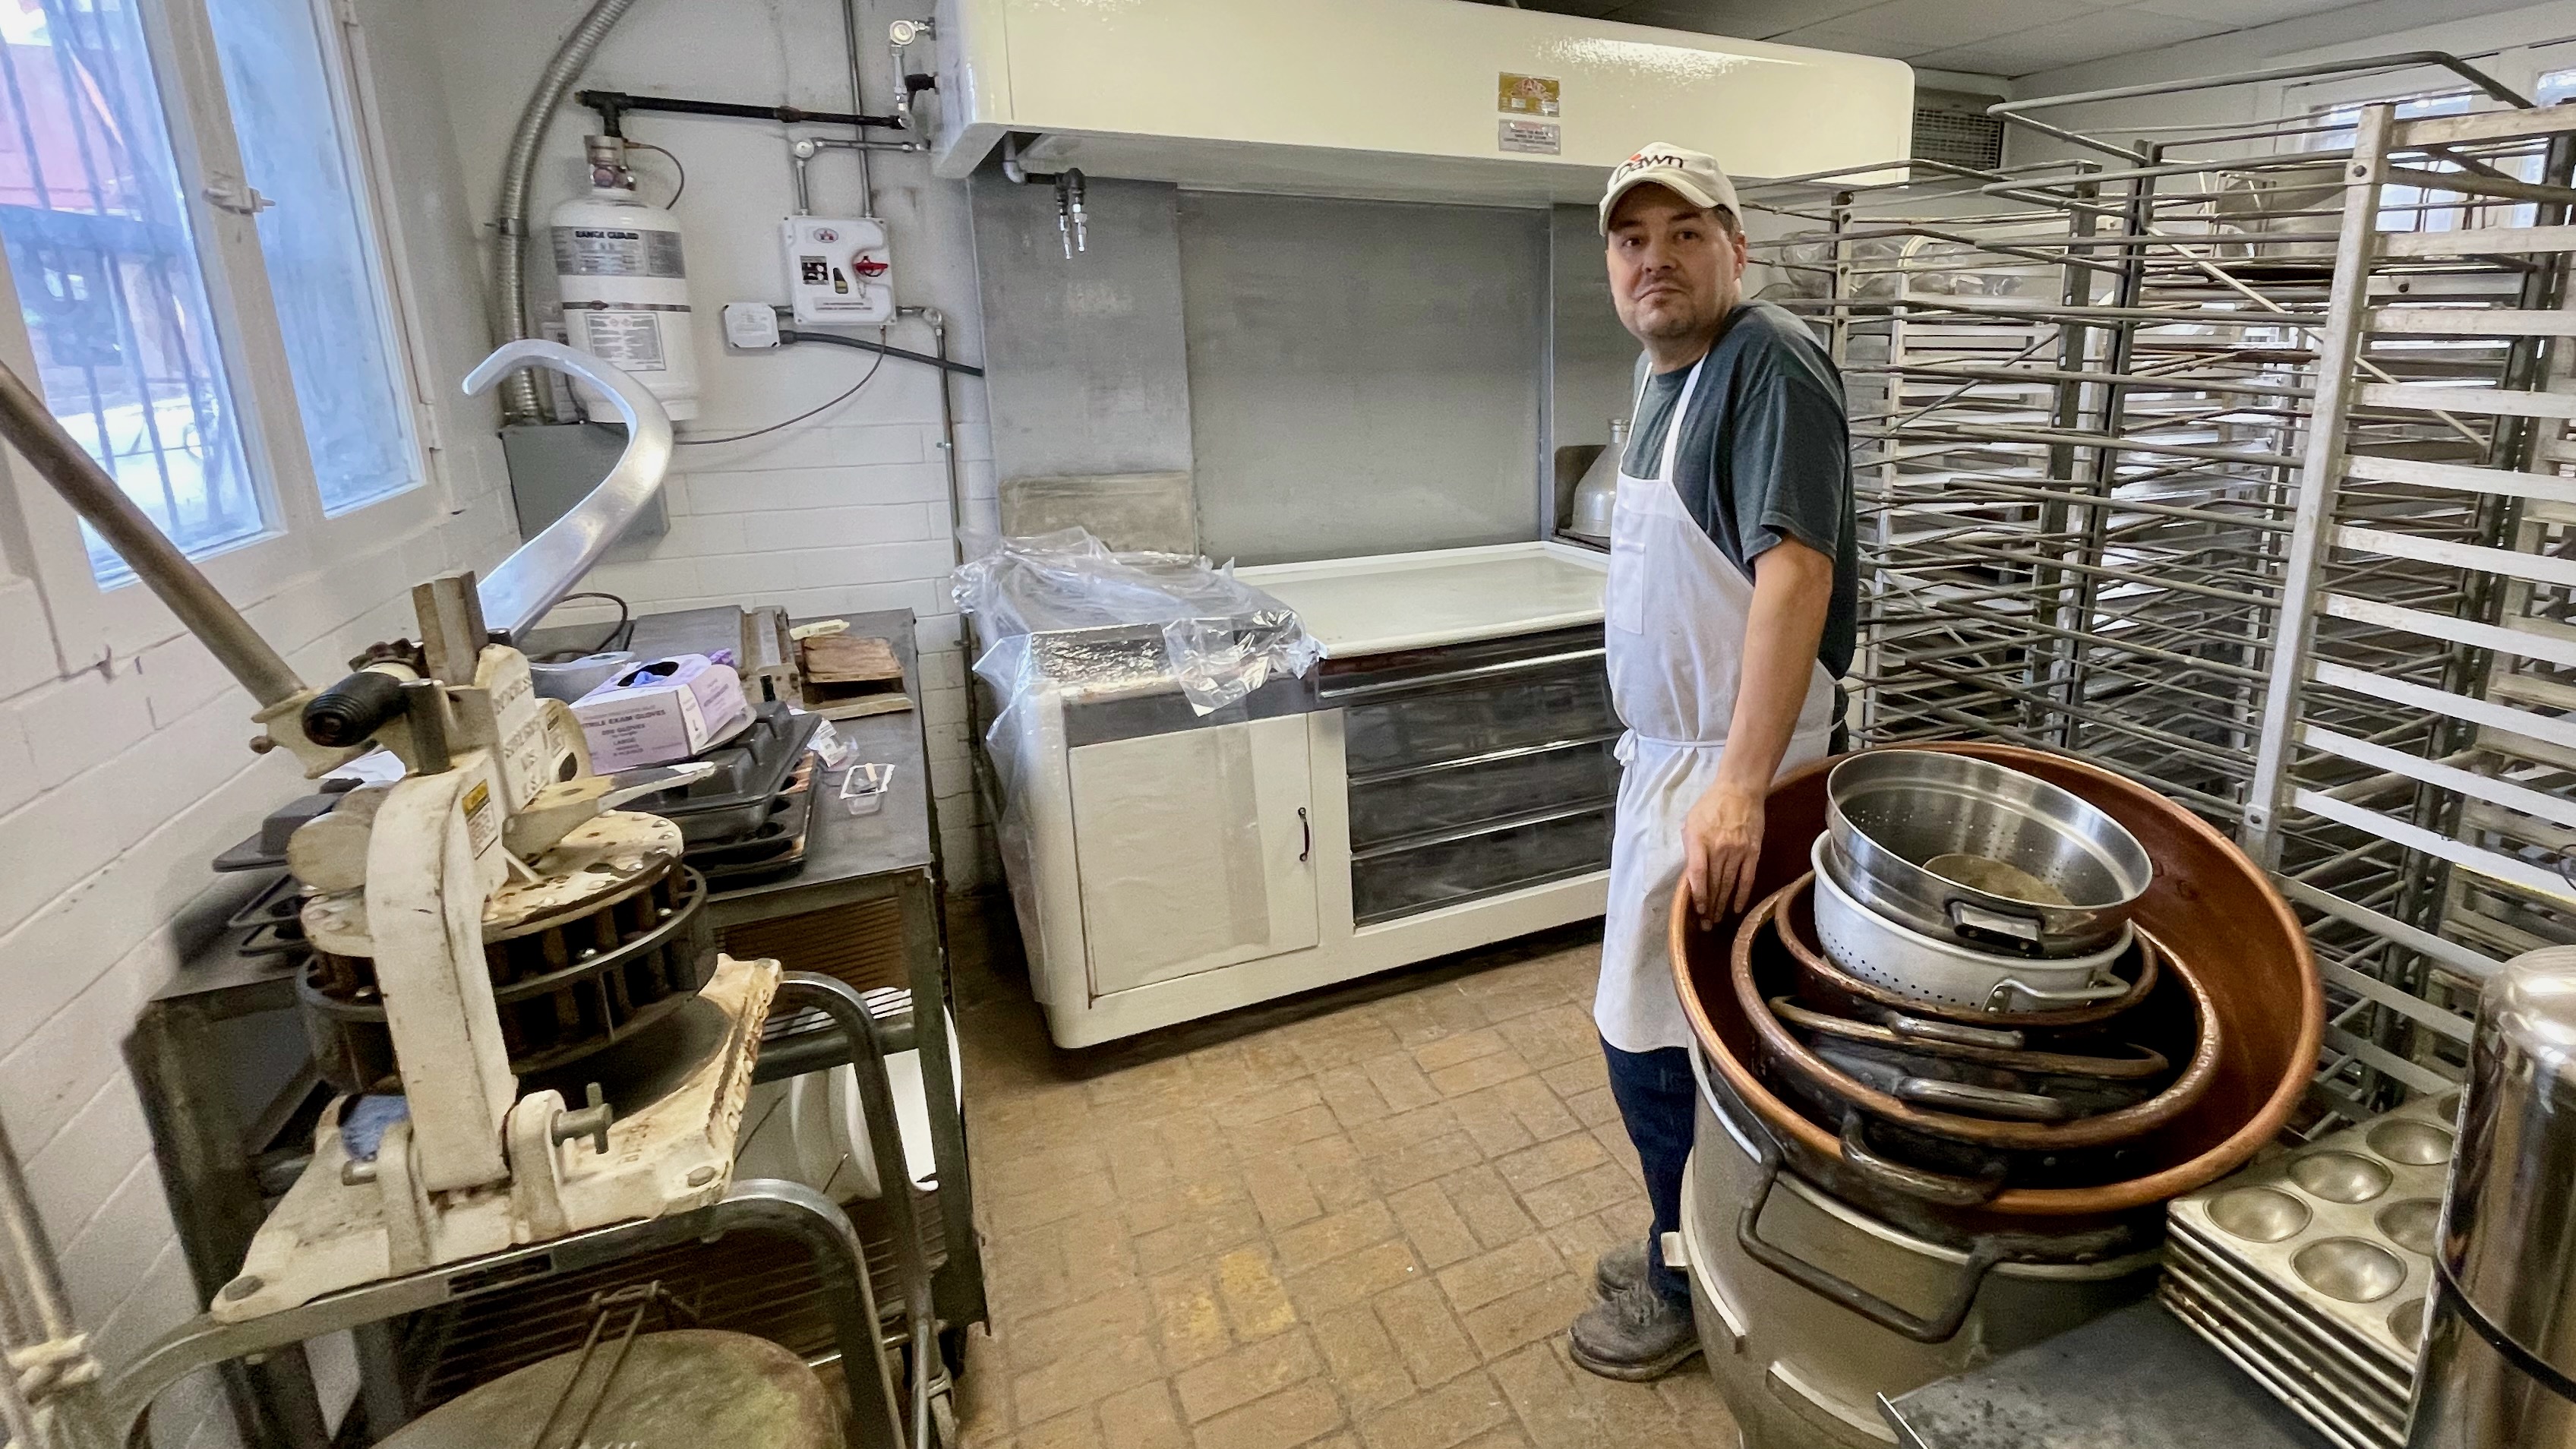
(2108,421)
(106,270)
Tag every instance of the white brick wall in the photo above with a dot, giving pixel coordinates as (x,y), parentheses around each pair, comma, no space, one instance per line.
(118,782)
(843,513)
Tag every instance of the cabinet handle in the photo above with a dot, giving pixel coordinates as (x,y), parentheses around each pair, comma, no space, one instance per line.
(1307,850)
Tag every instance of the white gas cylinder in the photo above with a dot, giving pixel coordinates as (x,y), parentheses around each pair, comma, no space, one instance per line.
(626,294)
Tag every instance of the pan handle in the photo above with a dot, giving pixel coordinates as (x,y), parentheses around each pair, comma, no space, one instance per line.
(2000,999)
(1939,1326)
(1982,1101)
(1896,1177)
(2017,931)
(1917,1029)
(1984,1253)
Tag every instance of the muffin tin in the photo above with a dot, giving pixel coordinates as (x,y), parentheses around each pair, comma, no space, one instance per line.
(2311,1271)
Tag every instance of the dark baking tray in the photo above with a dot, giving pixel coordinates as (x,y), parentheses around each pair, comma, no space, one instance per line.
(751,768)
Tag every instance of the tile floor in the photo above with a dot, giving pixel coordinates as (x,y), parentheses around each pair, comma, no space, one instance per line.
(1359,1220)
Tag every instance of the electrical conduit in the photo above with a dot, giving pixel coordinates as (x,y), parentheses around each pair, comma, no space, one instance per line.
(518,178)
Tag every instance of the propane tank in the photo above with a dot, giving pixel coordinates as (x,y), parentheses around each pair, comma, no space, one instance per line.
(625,287)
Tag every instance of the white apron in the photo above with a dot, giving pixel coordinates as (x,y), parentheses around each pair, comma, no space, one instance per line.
(1677,609)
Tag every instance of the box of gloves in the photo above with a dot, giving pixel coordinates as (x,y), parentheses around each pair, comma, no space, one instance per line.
(661,711)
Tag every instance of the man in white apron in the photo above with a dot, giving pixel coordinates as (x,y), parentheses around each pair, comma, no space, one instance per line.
(1731,608)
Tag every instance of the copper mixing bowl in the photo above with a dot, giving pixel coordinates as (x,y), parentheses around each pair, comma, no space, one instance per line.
(2209,903)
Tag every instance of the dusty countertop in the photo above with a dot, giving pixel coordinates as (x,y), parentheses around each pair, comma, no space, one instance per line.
(1377,605)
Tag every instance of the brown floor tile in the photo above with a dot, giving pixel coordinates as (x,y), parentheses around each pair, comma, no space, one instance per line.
(1402,1167)
(1363,1361)
(1405,1129)
(1197,1239)
(1328,1238)
(1435,1349)
(1256,1303)
(1453,1051)
(1353,1278)
(1051,1336)
(1491,1210)
(1189,1319)
(1483,1072)
(1542,1310)
(1549,1161)
(1077,1430)
(1563,1407)
(1304,1231)
(1498,1274)
(1177,1198)
(1433,1225)
(1334,1171)
(1565,1199)
(1352,1096)
(1246,1374)
(1280,1192)
(1441,1418)
(1083,1378)
(1142,1418)
(1291,1417)
(1399,1080)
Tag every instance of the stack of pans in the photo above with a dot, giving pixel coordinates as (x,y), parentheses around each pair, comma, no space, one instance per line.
(2312,1271)
(1956,992)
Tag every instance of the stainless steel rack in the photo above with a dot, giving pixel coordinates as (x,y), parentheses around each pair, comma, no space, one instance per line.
(2234,463)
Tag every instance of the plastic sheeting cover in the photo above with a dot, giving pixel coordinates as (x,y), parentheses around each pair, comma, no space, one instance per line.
(1037,598)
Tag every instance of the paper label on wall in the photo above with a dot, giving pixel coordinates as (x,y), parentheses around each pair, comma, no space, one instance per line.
(1528,95)
(1531,138)
(617,251)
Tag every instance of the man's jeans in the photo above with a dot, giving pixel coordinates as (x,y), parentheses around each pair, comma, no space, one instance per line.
(1656,1095)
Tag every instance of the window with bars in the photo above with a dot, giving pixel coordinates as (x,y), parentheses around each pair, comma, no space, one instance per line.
(111,258)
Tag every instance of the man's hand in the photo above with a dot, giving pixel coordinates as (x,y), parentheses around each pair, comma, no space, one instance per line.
(1722,843)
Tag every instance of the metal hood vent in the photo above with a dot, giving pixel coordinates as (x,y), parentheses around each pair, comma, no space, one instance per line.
(1406,99)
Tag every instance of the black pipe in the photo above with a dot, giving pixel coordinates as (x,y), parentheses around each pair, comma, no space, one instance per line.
(907,355)
(612,104)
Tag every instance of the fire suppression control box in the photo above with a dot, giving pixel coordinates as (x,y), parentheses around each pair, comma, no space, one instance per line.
(838,271)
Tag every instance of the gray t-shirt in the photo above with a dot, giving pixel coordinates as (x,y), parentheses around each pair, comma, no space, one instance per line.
(1765,454)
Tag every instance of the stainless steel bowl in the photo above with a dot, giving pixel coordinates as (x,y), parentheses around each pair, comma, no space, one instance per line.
(1966,850)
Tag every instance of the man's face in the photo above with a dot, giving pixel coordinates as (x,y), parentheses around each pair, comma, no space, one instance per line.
(1674,271)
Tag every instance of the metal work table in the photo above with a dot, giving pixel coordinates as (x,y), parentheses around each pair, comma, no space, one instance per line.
(2133,1379)
(866,908)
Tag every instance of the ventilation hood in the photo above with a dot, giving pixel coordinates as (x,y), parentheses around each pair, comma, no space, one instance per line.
(1424,99)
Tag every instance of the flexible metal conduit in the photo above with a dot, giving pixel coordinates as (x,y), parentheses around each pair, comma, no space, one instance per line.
(518,178)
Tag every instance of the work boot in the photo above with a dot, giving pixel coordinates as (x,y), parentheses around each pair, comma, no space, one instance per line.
(1620,1269)
(1636,1336)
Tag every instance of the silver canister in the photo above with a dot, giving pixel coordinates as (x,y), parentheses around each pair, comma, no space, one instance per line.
(2499,1357)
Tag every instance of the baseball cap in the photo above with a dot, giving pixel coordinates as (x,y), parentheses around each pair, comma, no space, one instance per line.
(1692,175)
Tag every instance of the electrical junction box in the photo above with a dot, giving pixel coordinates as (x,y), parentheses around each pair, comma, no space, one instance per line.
(838,271)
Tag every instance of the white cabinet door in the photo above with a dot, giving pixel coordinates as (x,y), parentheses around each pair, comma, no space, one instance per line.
(1195,848)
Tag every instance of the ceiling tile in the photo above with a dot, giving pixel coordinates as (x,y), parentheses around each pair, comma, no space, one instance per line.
(1830,38)
(2243,14)
(1928,25)
(1743,19)
(2072,42)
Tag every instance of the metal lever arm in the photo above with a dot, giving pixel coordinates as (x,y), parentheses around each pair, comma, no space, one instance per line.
(30,428)
(542,570)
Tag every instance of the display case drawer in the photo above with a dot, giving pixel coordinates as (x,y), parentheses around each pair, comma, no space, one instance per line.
(1420,801)
(1537,706)
(1408,879)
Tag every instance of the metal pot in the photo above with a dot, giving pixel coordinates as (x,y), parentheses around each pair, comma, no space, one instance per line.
(1875,947)
(1823,984)
(1972,852)
(2209,903)
(1759,967)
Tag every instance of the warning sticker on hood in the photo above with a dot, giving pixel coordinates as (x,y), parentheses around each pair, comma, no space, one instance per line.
(1531,138)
